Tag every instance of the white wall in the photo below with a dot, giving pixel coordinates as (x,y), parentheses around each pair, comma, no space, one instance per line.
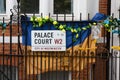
(80,6)
(115,5)
(44,7)
(92,7)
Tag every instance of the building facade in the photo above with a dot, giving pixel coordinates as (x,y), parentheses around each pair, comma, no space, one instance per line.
(53,7)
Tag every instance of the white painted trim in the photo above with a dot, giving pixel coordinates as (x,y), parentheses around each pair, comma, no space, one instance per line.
(92,7)
(79,6)
(46,7)
(7,39)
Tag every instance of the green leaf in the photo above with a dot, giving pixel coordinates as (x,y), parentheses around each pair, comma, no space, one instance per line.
(78,29)
(77,35)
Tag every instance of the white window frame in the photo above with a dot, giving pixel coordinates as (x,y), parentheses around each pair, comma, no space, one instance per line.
(8,69)
(9,5)
(79,6)
(46,7)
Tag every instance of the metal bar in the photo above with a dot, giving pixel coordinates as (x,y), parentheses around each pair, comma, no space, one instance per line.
(119,41)
(33,75)
(3,46)
(45,66)
(104,38)
(112,36)
(29,58)
(56,55)
(11,45)
(7,63)
(49,53)
(49,65)
(80,53)
(41,66)
(37,63)
(103,67)
(115,66)
(111,66)
(21,56)
(41,57)
(108,33)
(18,25)
(88,46)
(52,66)
(112,54)
(25,54)
(45,77)
(64,62)
(72,46)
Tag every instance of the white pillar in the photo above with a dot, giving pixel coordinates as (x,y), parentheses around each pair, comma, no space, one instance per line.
(114,71)
(115,5)
(80,6)
(92,7)
(44,7)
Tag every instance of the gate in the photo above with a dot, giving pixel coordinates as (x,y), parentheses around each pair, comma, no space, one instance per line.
(88,60)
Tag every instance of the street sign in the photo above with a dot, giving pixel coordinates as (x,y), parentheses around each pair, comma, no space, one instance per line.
(48,40)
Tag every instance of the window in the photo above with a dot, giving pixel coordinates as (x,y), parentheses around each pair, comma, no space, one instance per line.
(5,73)
(2,6)
(30,6)
(59,6)
(62,6)
(55,75)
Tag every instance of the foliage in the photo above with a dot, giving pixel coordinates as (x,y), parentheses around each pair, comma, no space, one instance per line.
(4,25)
(40,21)
(111,24)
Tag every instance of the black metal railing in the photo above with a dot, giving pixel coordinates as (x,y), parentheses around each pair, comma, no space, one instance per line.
(74,63)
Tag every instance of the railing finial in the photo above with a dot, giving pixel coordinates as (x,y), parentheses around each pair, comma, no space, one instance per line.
(18,1)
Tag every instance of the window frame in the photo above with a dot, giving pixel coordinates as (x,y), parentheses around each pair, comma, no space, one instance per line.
(71,9)
(9,5)
(29,12)
(47,6)
(5,8)
(7,72)
(61,16)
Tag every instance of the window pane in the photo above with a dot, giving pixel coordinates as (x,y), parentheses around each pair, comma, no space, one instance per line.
(2,6)
(29,6)
(62,6)
(51,75)
(6,73)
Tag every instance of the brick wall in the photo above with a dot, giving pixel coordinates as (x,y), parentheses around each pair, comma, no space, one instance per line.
(103,6)
(100,65)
